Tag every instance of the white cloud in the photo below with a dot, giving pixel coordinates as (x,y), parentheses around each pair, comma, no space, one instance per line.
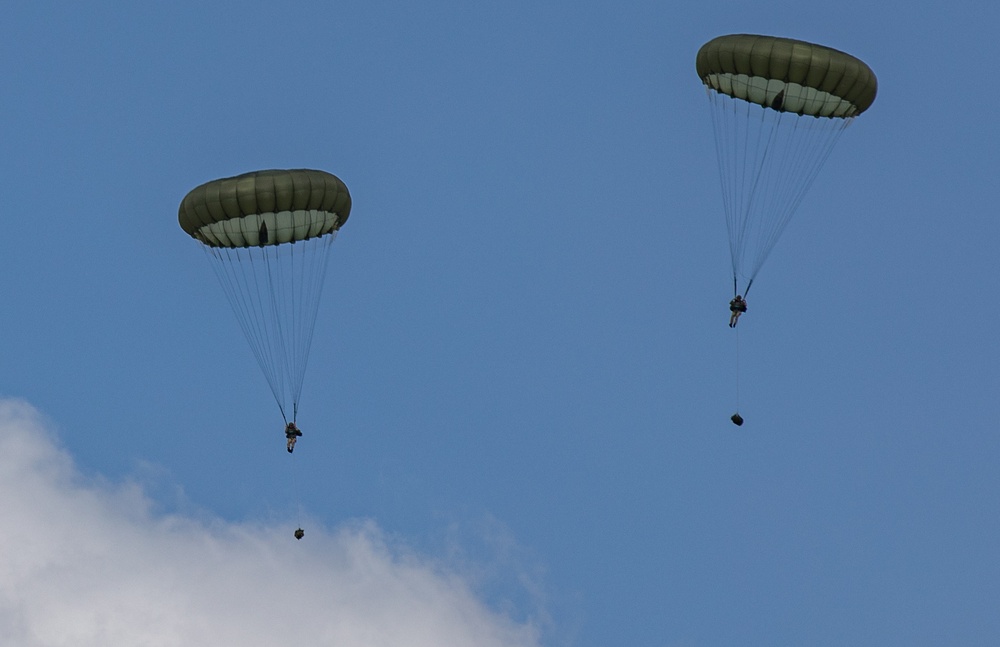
(86,563)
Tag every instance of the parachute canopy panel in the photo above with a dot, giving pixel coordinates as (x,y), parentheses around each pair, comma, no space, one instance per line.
(787,75)
(265,208)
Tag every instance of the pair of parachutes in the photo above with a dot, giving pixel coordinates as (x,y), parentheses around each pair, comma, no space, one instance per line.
(778,107)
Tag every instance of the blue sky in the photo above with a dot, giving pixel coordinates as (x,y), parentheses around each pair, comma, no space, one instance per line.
(521,377)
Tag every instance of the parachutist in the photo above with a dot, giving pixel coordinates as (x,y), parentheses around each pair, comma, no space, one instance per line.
(737,420)
(736,307)
(292,434)
(300,533)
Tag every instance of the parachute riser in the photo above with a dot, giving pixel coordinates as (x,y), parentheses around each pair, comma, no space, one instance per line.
(736,290)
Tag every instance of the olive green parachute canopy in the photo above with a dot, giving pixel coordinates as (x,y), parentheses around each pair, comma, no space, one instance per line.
(265,208)
(787,75)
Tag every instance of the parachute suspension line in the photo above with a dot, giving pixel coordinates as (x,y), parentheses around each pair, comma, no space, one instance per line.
(764,144)
(295,280)
(236,271)
(274,291)
(289,283)
(739,149)
(278,313)
(314,260)
(756,143)
(724,117)
(767,161)
(269,314)
(741,145)
(803,149)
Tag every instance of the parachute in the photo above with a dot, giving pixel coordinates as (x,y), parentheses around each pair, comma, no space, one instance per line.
(268,236)
(778,107)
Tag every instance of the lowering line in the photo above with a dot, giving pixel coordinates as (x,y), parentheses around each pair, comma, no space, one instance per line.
(295,500)
(736,417)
